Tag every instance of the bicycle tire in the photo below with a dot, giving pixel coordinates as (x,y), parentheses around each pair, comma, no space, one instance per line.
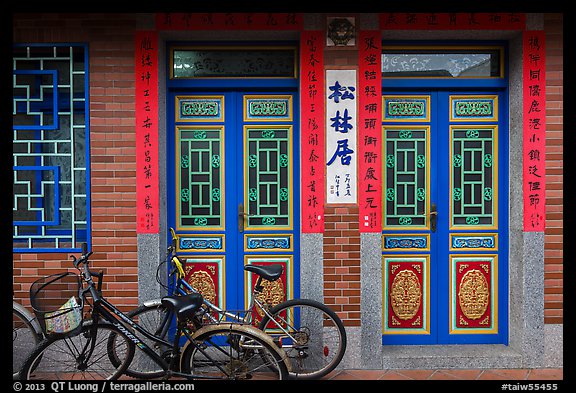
(249,354)
(152,316)
(320,333)
(26,334)
(54,359)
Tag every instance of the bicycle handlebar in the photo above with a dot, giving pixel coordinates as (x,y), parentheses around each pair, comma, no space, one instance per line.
(84,270)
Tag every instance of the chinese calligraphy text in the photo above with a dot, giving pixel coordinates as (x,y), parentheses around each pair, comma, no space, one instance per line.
(312,121)
(146,75)
(369,132)
(341,136)
(534,135)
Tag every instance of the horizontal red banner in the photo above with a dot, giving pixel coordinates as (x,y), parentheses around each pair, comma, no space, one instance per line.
(452,21)
(228,21)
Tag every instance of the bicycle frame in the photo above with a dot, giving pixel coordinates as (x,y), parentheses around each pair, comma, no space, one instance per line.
(182,287)
(107,311)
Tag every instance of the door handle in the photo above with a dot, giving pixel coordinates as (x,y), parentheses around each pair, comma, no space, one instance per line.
(433,217)
(241,215)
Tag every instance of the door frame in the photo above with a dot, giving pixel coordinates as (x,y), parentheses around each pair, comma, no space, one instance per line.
(233,279)
(438,86)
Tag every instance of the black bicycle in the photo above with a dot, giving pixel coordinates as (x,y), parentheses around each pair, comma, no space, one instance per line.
(309,332)
(102,346)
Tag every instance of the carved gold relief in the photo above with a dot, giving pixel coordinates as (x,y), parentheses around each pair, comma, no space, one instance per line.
(405,294)
(202,282)
(474,294)
(271,295)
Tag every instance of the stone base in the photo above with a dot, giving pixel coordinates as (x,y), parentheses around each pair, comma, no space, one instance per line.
(405,357)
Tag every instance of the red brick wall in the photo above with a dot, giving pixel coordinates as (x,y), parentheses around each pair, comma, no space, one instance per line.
(112,148)
(553,247)
(342,262)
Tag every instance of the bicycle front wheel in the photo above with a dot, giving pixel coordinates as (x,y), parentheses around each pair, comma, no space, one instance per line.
(233,352)
(311,334)
(80,357)
(26,334)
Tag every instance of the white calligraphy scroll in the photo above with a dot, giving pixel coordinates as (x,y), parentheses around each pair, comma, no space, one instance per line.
(341,136)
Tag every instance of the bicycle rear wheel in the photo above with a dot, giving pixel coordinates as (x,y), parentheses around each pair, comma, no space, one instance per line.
(80,357)
(311,334)
(233,352)
(26,334)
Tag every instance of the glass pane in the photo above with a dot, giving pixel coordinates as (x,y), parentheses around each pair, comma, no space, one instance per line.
(406,176)
(200,174)
(443,63)
(234,62)
(473,170)
(267,171)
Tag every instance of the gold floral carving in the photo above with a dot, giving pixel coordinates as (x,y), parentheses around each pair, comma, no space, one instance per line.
(473,294)
(271,295)
(204,284)
(405,294)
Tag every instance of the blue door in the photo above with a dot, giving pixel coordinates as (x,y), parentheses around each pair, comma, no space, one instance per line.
(232,197)
(445,221)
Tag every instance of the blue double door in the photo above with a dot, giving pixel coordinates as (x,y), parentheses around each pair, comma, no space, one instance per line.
(233,190)
(445,218)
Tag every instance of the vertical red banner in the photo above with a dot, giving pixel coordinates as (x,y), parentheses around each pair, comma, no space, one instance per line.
(312,129)
(534,135)
(146,84)
(370,131)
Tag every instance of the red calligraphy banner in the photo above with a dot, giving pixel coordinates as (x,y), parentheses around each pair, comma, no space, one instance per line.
(452,21)
(312,129)
(370,131)
(534,136)
(146,91)
(228,21)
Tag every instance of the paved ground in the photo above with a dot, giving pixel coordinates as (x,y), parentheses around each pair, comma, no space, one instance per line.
(449,374)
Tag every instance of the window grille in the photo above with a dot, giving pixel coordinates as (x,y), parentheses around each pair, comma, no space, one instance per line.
(51,190)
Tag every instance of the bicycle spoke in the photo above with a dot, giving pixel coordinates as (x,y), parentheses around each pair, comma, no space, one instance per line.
(312,336)
(81,357)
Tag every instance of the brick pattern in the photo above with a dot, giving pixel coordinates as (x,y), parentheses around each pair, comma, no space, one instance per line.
(342,262)
(112,145)
(553,247)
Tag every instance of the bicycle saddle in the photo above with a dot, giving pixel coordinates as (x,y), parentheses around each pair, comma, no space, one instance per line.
(269,272)
(184,306)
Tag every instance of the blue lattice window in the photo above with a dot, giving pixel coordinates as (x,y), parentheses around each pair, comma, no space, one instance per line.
(51,190)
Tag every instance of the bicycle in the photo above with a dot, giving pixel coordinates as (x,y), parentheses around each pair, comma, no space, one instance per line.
(311,334)
(26,334)
(103,345)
